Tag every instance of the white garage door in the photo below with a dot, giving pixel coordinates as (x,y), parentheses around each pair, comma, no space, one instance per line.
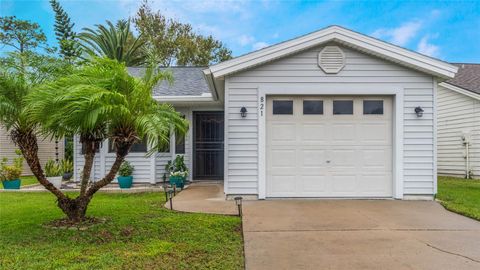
(328,146)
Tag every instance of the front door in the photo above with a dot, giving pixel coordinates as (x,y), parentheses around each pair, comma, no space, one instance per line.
(208,134)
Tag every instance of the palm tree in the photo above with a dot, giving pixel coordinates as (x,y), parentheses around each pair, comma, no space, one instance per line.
(19,74)
(115,42)
(103,101)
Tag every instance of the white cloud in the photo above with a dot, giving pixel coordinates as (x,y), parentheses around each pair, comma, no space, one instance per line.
(401,35)
(427,48)
(259,45)
(245,40)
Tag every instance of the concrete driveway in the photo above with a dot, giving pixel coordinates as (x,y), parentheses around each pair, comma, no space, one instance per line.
(358,234)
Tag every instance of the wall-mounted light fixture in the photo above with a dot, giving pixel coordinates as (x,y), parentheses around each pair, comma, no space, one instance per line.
(419,111)
(243,112)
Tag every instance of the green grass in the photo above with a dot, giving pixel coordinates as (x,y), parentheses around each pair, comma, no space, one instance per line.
(460,195)
(138,234)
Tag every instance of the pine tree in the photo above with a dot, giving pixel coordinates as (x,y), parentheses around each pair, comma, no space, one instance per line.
(66,37)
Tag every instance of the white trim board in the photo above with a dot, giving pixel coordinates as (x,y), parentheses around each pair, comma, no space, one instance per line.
(397,154)
(341,35)
(460,90)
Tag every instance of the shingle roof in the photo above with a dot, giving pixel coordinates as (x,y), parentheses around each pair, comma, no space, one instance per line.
(467,77)
(187,81)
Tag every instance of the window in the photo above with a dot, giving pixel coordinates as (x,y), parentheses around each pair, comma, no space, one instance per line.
(343,107)
(179,144)
(373,107)
(313,107)
(283,107)
(140,147)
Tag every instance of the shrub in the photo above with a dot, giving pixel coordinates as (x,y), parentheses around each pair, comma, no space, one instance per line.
(53,168)
(126,169)
(67,166)
(11,172)
(177,167)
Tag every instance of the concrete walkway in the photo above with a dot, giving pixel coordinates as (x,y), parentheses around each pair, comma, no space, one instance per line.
(204,197)
(358,234)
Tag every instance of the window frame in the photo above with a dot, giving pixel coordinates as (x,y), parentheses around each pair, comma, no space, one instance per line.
(282,100)
(373,100)
(322,112)
(351,101)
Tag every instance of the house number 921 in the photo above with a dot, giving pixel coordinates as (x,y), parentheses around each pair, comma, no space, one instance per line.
(262,99)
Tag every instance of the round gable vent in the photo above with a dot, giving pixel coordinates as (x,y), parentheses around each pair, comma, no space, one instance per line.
(331,59)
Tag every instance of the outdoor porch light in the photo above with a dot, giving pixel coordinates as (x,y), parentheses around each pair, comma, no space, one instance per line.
(419,111)
(243,112)
(238,202)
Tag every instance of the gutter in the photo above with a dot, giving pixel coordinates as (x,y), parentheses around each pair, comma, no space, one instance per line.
(207,73)
(205,97)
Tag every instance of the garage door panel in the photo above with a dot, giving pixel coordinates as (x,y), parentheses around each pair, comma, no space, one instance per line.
(343,132)
(314,133)
(282,132)
(283,158)
(329,155)
(313,158)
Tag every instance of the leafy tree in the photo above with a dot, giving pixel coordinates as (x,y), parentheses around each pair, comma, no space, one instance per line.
(69,47)
(103,101)
(20,35)
(168,41)
(19,74)
(115,42)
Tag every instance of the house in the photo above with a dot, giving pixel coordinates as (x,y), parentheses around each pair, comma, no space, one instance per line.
(333,113)
(47,149)
(459,123)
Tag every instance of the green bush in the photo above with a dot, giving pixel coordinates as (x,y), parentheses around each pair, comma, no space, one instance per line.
(53,168)
(67,165)
(13,171)
(126,169)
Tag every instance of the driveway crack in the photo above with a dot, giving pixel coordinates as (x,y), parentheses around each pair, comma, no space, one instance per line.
(451,253)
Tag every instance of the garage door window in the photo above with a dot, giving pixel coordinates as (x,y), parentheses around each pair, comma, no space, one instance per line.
(343,107)
(373,107)
(283,107)
(313,107)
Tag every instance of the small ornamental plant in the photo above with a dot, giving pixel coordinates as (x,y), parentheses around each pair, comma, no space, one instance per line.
(13,171)
(126,169)
(53,168)
(179,174)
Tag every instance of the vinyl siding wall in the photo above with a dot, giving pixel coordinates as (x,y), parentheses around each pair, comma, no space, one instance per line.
(147,169)
(457,113)
(302,70)
(46,150)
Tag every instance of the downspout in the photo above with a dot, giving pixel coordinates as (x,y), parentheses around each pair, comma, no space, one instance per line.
(466,143)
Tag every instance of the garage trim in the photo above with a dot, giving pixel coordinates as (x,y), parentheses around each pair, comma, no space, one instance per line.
(397,158)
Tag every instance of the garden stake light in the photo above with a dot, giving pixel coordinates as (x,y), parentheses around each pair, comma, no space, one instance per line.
(170,197)
(238,202)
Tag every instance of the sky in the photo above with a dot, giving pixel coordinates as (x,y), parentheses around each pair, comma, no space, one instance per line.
(448,30)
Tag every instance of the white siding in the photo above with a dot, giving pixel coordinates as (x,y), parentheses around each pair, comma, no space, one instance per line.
(46,150)
(457,113)
(302,70)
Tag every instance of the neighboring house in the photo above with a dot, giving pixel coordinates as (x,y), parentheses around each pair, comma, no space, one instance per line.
(327,114)
(459,123)
(47,149)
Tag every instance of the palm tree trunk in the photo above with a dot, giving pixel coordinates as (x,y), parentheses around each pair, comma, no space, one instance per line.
(27,142)
(90,149)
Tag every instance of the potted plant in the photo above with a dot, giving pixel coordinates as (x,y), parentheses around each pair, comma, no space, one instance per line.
(67,168)
(54,173)
(125,178)
(178,171)
(10,174)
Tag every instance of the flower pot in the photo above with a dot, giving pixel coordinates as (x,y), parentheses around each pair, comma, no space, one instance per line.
(11,184)
(125,181)
(56,181)
(67,176)
(177,181)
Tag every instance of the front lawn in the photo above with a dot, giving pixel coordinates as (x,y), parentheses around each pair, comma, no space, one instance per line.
(138,234)
(460,195)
